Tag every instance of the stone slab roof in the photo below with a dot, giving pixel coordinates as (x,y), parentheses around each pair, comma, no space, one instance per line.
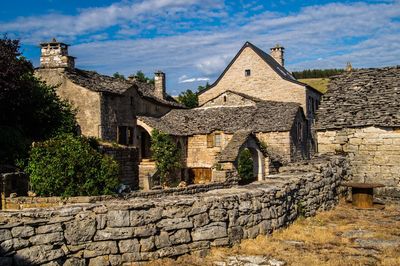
(366,97)
(102,83)
(231,151)
(265,116)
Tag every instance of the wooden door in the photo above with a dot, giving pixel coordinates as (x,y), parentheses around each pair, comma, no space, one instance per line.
(200,175)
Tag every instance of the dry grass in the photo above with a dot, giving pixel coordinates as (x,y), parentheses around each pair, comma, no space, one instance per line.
(321,84)
(325,239)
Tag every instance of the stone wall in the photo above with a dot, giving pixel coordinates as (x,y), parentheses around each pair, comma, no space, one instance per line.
(142,229)
(374,154)
(263,83)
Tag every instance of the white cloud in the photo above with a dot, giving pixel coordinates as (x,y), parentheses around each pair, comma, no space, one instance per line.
(185,79)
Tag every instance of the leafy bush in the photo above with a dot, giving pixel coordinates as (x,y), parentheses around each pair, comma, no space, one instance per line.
(71,166)
(245,166)
(166,154)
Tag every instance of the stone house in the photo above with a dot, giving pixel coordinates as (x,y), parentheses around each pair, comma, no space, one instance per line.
(258,74)
(359,115)
(212,135)
(106,107)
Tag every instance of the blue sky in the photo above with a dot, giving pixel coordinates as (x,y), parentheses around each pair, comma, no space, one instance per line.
(193,40)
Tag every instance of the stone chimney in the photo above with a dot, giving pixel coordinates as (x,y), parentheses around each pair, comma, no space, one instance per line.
(277,54)
(159,84)
(55,55)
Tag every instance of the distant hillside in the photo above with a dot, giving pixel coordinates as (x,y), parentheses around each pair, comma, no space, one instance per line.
(320,84)
(317,73)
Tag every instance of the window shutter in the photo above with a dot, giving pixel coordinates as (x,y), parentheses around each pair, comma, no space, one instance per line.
(210,140)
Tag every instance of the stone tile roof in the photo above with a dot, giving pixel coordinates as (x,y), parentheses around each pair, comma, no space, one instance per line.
(231,151)
(366,97)
(265,116)
(102,83)
(280,70)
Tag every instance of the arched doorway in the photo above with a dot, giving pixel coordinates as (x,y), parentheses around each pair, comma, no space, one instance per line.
(250,165)
(144,141)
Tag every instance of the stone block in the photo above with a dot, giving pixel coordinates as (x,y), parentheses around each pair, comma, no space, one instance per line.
(180,237)
(218,215)
(147,244)
(101,221)
(95,249)
(46,238)
(115,260)
(143,217)
(209,232)
(6,246)
(114,233)
(173,251)
(23,231)
(119,218)
(74,262)
(174,224)
(200,219)
(5,234)
(51,228)
(129,245)
(19,243)
(37,255)
(162,240)
(81,229)
(99,261)
(145,230)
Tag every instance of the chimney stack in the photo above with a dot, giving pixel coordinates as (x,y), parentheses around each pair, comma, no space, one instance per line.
(159,84)
(55,55)
(277,54)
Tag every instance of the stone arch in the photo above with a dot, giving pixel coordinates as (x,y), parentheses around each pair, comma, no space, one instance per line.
(257,156)
(143,136)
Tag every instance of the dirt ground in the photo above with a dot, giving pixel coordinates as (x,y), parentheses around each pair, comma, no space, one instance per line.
(343,236)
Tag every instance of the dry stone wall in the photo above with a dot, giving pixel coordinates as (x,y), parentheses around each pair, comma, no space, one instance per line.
(142,229)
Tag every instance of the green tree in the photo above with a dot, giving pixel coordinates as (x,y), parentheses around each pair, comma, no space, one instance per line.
(188,98)
(202,88)
(29,109)
(70,165)
(166,155)
(141,77)
(118,75)
(245,166)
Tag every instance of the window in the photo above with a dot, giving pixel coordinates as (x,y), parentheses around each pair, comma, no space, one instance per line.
(210,141)
(121,135)
(247,73)
(224,98)
(217,141)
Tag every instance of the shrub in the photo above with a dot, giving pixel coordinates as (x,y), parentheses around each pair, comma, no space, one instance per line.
(71,166)
(245,166)
(166,154)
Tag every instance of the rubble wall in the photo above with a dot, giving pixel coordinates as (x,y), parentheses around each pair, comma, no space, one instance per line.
(142,229)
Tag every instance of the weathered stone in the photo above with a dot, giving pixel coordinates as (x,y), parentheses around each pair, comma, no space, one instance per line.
(176,212)
(95,249)
(51,228)
(174,224)
(180,237)
(46,238)
(74,262)
(6,246)
(200,219)
(162,240)
(210,231)
(114,233)
(129,245)
(143,217)
(5,234)
(37,255)
(218,215)
(23,231)
(115,260)
(101,221)
(235,234)
(221,242)
(173,251)
(145,230)
(199,245)
(19,243)
(118,218)
(99,261)
(147,244)
(81,229)
(131,257)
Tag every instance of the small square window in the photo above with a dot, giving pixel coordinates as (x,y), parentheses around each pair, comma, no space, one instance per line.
(217,140)
(247,73)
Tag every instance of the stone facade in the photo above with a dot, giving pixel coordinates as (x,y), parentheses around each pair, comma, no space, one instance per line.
(374,154)
(142,229)
(265,81)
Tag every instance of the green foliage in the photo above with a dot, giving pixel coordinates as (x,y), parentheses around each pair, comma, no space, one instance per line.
(27,106)
(202,88)
(141,77)
(68,165)
(317,73)
(245,166)
(166,155)
(117,75)
(188,98)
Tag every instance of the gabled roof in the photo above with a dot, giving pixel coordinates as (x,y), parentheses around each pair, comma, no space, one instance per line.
(264,116)
(280,70)
(231,151)
(102,83)
(365,97)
